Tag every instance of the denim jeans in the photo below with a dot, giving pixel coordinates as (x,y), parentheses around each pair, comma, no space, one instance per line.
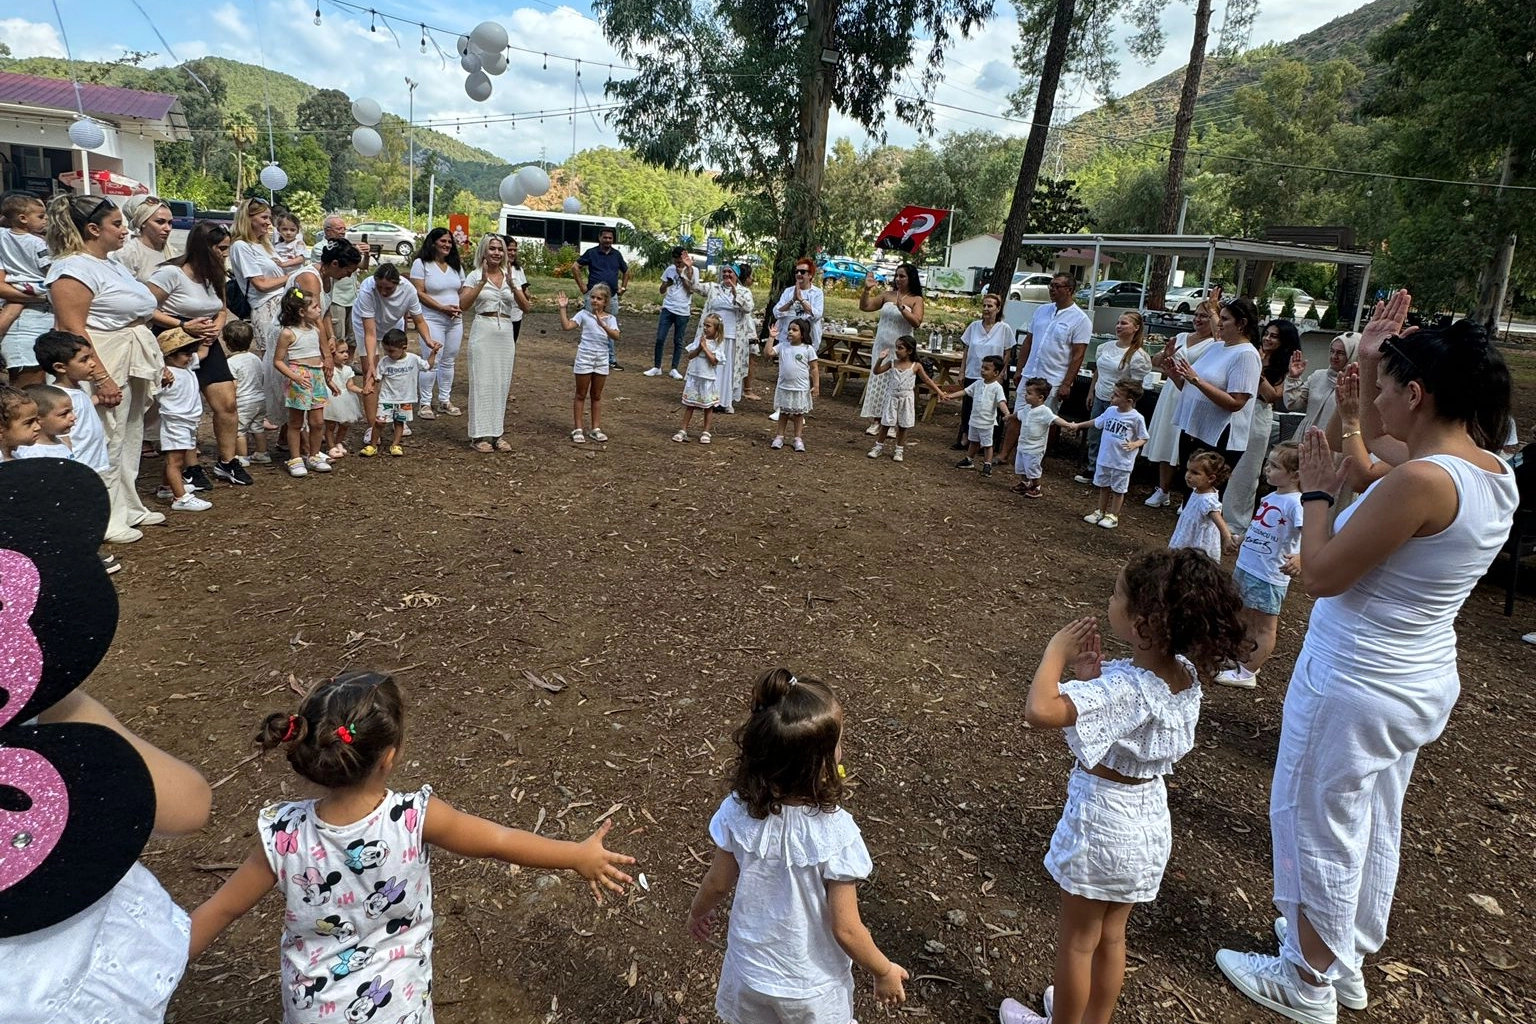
(677,323)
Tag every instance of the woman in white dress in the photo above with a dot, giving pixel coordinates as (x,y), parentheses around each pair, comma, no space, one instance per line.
(901,313)
(437,275)
(1279,342)
(255,268)
(1162,445)
(731,301)
(495,291)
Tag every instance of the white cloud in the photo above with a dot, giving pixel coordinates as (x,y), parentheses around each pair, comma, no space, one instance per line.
(30,38)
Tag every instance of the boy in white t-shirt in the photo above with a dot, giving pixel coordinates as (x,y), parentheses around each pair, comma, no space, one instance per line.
(181,407)
(250,393)
(398,386)
(1035,421)
(989,406)
(1123,434)
(55,419)
(1269,557)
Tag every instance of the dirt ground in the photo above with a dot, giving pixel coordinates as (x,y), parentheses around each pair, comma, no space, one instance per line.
(654,580)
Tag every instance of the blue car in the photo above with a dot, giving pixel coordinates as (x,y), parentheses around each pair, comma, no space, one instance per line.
(850,272)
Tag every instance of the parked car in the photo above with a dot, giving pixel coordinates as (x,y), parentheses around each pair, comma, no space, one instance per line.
(1300,299)
(850,272)
(384,236)
(1113,293)
(1184,300)
(1028,287)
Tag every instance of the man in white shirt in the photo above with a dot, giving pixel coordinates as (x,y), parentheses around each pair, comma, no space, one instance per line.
(1054,347)
(343,291)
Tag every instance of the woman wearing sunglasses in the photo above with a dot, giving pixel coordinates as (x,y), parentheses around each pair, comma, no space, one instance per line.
(801,299)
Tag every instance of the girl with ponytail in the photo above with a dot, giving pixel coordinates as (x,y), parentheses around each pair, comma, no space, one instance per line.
(1127,721)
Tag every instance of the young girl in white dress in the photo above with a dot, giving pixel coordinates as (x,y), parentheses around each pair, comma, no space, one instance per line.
(799,379)
(901,395)
(353,864)
(1127,722)
(795,858)
(702,385)
(345,407)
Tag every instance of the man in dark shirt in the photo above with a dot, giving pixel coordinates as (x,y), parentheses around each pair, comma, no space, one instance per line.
(604,265)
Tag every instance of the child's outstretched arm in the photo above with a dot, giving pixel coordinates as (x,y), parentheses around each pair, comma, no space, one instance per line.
(1229,543)
(718,880)
(233,901)
(566,323)
(469,835)
(182,796)
(851,934)
(1077,645)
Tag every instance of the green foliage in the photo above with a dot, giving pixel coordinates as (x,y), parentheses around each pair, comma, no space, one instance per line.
(306,206)
(1288,311)
(859,194)
(972,171)
(616,182)
(205,190)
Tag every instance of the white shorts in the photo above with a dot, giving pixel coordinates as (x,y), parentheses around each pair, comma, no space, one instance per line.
(1117,480)
(1113,840)
(250,417)
(735,1003)
(1028,464)
(981,435)
(177,435)
(590,362)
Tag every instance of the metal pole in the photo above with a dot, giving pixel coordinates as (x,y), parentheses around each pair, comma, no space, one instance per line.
(1365,289)
(410,171)
(1210,261)
(949,238)
(1173,264)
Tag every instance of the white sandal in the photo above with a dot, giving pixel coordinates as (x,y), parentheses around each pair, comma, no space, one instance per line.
(682,436)
(577,437)
(598,435)
(704,438)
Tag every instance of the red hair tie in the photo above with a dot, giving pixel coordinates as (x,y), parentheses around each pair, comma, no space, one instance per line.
(293,727)
(345,733)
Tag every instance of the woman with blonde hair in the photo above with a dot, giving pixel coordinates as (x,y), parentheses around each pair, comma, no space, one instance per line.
(95,297)
(1124,357)
(150,221)
(1163,443)
(494,291)
(254,264)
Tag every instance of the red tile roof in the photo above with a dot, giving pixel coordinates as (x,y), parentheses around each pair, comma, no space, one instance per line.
(101,100)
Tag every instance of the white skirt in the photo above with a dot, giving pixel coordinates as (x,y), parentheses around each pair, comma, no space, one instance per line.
(735,1003)
(792,403)
(1113,840)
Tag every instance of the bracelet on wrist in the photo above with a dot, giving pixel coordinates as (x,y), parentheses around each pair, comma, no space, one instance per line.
(1317,496)
(1349,434)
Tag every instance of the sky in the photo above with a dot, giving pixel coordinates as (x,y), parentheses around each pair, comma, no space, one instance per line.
(343,53)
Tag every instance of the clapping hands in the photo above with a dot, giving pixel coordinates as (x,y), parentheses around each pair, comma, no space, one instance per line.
(1078,643)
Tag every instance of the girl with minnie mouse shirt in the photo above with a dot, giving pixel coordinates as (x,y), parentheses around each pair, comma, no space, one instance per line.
(353,864)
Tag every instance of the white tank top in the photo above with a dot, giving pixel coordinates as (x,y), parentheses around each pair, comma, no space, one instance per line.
(1399,620)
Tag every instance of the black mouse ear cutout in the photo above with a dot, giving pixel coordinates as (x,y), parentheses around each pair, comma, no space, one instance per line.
(56,603)
(76,807)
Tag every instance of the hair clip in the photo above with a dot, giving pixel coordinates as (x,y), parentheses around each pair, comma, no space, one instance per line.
(345,733)
(293,727)
(299,292)
(793,681)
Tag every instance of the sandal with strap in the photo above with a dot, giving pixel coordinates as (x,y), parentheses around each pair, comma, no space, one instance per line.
(483,447)
(577,437)
(502,445)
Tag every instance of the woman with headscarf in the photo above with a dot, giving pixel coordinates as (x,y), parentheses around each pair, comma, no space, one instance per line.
(1278,344)
(150,245)
(1313,394)
(494,292)
(731,301)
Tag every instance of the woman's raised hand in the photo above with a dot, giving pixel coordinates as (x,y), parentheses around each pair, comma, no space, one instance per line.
(1298,365)
(1318,472)
(1347,394)
(1386,322)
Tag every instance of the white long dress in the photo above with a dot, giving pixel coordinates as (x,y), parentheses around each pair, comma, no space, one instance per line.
(735,312)
(492,353)
(891,327)
(1163,434)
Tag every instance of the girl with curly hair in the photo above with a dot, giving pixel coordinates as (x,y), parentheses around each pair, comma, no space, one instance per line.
(795,858)
(1127,721)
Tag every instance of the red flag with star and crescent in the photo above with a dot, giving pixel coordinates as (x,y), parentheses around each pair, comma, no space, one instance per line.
(909,228)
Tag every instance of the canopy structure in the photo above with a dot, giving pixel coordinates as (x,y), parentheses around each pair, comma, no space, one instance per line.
(1213,248)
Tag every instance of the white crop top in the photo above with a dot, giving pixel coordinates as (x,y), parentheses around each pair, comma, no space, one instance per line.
(1130,722)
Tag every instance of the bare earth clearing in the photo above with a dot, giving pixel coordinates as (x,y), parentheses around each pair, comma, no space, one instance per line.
(653,580)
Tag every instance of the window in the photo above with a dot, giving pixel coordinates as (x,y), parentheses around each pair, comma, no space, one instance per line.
(589,232)
(526,227)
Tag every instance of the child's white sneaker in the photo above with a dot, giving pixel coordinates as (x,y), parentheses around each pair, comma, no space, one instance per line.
(704,438)
(777,442)
(1110,521)
(900,454)
(1238,676)
(877,451)
(296,468)
(190,502)
(259,459)
(873,428)
(318,464)
(1158,499)
(1093,517)
(1014,1012)
(774,415)
(680,437)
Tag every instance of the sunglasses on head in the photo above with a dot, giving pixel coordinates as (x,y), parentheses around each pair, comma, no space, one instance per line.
(1394,346)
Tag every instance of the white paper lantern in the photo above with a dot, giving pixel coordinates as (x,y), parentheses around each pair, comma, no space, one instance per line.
(534,180)
(489,37)
(512,191)
(274,178)
(367,141)
(367,111)
(571,205)
(478,87)
(494,63)
(465,45)
(86,134)
(470,62)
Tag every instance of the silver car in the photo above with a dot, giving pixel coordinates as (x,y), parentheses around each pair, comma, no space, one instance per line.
(383,236)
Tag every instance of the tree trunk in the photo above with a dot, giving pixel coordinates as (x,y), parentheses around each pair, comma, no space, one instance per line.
(1034,150)
(802,199)
(1494,277)
(1183,121)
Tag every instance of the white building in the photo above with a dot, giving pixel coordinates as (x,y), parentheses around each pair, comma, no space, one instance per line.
(981,251)
(35,115)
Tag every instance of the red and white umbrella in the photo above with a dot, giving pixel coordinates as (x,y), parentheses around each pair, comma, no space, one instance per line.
(106,183)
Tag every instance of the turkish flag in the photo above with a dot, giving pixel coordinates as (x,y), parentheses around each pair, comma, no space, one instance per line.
(909,228)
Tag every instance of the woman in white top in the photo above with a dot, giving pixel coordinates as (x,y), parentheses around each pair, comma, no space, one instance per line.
(98,299)
(732,302)
(150,221)
(1162,445)
(989,336)
(193,284)
(1213,401)
(494,291)
(1376,677)
(1279,342)
(901,313)
(255,269)
(437,275)
(1124,357)
(1314,394)
(383,302)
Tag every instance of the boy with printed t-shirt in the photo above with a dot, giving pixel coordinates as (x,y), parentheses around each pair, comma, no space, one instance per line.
(988,405)
(1269,557)
(1124,433)
(397,388)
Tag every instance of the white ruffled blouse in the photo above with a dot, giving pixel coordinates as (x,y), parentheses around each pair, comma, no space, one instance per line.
(1130,722)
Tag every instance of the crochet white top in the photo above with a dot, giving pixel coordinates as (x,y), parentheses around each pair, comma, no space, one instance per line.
(1130,722)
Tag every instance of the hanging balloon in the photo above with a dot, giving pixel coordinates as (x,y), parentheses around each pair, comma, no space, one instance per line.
(571,205)
(534,180)
(478,87)
(86,134)
(367,142)
(489,37)
(465,45)
(274,178)
(367,111)
(470,62)
(494,63)
(512,192)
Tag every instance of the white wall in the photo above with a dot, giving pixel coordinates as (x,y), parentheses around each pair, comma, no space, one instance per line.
(123,152)
(977,251)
